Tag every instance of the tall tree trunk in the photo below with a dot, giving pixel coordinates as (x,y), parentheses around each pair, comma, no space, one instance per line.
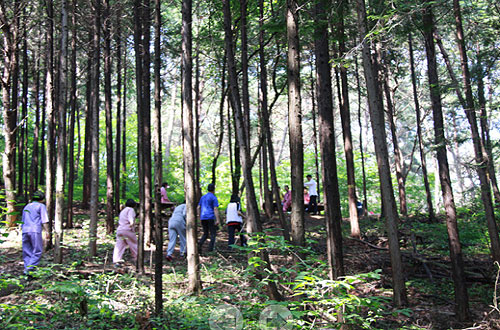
(295,123)
(244,68)
(480,153)
(158,226)
(345,117)
(88,123)
(379,137)
(9,36)
(461,296)
(398,155)
(23,129)
(123,158)
(71,128)
(61,135)
(119,113)
(49,108)
(193,258)
(361,145)
(33,180)
(428,194)
(315,129)
(42,161)
(73,109)
(267,125)
(197,108)
(485,130)
(333,214)
(110,191)
(139,72)
(94,129)
(14,94)
(253,216)
(146,121)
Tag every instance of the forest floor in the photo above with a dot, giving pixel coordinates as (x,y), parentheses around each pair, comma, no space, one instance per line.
(89,293)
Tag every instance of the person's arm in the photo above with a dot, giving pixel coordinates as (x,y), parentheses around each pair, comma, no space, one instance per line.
(217,216)
(131,217)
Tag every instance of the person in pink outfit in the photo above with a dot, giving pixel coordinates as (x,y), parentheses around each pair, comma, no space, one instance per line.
(163,192)
(307,198)
(287,199)
(125,234)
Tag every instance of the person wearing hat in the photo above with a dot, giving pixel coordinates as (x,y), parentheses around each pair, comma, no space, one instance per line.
(125,234)
(35,219)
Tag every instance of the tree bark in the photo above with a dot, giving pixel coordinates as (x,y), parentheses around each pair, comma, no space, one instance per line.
(295,124)
(110,188)
(61,135)
(193,258)
(94,129)
(119,113)
(428,194)
(361,145)
(267,125)
(73,109)
(485,130)
(398,155)
(461,296)
(333,214)
(145,127)
(23,139)
(49,109)
(345,117)
(379,136)
(33,180)
(480,153)
(158,225)
(9,36)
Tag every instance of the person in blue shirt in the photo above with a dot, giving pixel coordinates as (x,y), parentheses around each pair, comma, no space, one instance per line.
(35,218)
(209,216)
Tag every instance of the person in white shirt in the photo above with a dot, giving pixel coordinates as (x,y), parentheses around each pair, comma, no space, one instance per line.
(125,233)
(313,195)
(234,221)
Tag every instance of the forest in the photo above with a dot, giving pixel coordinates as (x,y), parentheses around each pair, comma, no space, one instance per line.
(384,112)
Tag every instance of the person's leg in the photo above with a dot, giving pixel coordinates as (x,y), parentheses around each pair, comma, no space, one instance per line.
(37,244)
(27,252)
(172,238)
(230,235)
(120,247)
(131,241)
(314,204)
(205,225)
(243,239)
(213,234)
(182,239)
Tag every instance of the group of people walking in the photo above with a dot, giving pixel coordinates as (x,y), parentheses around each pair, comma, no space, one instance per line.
(35,218)
(209,218)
